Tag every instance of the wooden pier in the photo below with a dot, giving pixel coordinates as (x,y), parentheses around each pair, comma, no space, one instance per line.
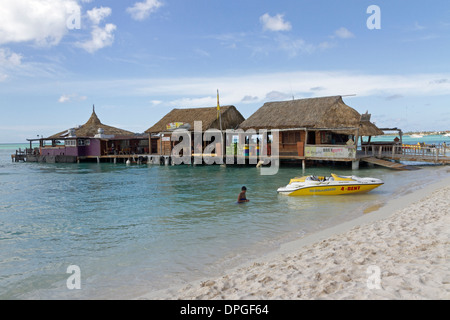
(21,155)
(388,164)
(390,155)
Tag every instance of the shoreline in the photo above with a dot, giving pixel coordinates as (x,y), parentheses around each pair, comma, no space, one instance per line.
(403,246)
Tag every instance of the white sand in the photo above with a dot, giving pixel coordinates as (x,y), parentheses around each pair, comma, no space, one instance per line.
(407,242)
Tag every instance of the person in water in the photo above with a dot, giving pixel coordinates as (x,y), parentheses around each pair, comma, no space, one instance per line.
(241,197)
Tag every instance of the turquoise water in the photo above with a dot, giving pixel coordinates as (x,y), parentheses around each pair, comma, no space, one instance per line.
(135,229)
(407,139)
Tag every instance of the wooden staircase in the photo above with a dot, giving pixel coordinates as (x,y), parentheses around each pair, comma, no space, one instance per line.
(388,164)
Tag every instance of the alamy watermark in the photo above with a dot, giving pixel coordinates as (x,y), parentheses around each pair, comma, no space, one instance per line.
(374,278)
(374,21)
(73,21)
(231,145)
(74,280)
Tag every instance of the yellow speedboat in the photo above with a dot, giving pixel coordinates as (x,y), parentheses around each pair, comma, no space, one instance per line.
(313,185)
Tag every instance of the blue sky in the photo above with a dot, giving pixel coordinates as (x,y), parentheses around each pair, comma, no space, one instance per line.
(138,59)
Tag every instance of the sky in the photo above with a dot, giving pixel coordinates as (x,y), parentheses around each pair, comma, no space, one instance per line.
(136,60)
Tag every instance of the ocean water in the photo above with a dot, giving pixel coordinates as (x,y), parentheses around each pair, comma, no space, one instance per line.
(136,229)
(407,139)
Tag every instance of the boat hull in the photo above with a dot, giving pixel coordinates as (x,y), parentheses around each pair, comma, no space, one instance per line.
(328,190)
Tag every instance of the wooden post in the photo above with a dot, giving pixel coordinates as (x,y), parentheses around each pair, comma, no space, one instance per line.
(224,146)
(149,143)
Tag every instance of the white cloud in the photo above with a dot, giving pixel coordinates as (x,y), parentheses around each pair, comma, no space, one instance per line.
(194,102)
(440,81)
(278,96)
(394,97)
(96,15)
(63,98)
(201,91)
(8,61)
(101,37)
(418,27)
(344,33)
(275,23)
(288,44)
(43,22)
(294,46)
(202,53)
(248,98)
(155,102)
(9,58)
(141,10)
(326,45)
(71,97)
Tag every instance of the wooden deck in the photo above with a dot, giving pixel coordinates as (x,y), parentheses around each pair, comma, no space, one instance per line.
(385,155)
(388,164)
(19,156)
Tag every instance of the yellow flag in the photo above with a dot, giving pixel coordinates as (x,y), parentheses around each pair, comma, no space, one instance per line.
(218,105)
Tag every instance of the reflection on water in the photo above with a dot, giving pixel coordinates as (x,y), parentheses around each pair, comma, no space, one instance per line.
(373,207)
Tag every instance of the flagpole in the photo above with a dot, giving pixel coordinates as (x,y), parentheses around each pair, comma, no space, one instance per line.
(219,115)
(220,123)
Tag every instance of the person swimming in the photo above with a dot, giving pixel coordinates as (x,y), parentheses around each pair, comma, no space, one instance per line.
(242,198)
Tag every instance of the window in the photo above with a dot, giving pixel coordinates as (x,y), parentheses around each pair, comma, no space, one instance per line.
(291,137)
(70,143)
(327,137)
(84,142)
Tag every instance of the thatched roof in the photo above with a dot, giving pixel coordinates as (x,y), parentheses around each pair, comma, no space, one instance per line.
(231,118)
(313,113)
(90,129)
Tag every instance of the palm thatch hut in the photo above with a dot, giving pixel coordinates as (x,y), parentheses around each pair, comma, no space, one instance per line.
(91,128)
(93,139)
(160,133)
(306,124)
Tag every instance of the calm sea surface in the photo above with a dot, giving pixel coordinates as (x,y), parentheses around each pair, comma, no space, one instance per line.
(135,229)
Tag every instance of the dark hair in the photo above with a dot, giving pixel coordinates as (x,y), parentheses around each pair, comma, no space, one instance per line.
(244,188)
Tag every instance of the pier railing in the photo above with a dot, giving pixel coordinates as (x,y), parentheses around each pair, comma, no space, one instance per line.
(434,153)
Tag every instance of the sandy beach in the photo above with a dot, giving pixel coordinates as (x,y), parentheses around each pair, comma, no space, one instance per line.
(398,251)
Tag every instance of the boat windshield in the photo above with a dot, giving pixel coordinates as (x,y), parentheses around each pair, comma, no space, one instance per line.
(316,178)
(341,178)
